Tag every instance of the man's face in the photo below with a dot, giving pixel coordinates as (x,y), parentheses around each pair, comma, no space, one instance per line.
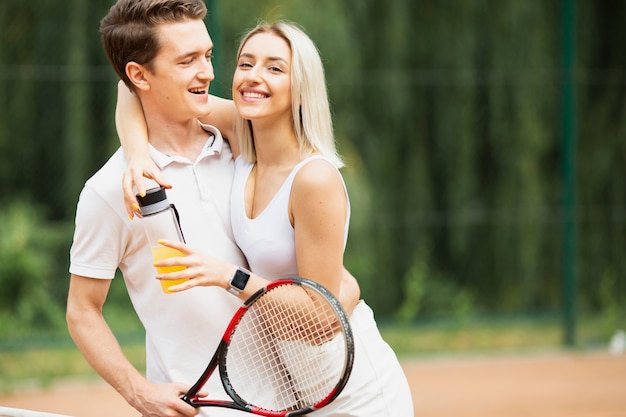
(182,71)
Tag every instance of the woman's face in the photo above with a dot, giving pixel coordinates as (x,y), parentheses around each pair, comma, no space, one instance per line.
(261,83)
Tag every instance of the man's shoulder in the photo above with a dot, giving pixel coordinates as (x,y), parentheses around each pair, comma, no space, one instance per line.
(102,195)
(107,181)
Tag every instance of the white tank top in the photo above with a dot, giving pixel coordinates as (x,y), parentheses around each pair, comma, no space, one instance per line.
(268,240)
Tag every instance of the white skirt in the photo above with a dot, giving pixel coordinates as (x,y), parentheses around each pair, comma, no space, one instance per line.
(377,386)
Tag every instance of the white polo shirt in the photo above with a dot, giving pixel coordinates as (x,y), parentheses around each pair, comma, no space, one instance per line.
(182,329)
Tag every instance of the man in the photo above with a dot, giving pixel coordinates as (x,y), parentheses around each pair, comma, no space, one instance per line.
(162,51)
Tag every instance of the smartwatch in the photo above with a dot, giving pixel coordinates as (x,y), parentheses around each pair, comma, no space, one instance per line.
(238,281)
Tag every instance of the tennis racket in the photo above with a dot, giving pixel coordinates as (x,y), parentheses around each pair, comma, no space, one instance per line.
(287,351)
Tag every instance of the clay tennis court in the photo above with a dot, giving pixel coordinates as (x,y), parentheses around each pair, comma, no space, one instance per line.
(547,385)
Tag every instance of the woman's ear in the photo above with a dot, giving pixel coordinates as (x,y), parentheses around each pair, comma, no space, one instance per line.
(136,74)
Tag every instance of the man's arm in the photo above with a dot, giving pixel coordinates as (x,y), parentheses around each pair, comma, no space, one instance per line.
(94,339)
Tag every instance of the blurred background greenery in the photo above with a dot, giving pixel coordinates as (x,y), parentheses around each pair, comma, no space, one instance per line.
(485,163)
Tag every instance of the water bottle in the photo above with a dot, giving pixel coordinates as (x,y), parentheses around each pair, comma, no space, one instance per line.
(160,220)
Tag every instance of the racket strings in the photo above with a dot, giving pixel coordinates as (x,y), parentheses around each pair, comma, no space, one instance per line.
(287,352)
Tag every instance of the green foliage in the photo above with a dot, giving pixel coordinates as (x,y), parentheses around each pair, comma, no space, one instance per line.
(612,313)
(42,366)
(444,337)
(449,119)
(415,291)
(428,294)
(27,272)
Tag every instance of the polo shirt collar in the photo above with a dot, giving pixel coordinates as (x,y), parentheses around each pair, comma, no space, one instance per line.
(213,146)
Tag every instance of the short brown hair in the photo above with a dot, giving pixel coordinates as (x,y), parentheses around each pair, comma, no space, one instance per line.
(129,29)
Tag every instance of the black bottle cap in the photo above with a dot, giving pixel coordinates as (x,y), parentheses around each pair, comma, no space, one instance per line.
(153,202)
(153,195)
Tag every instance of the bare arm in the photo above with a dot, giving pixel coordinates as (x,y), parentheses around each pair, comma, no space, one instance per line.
(95,340)
(319,208)
(222,116)
(201,269)
(133,134)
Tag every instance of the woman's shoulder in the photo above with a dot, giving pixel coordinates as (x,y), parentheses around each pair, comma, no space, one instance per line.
(317,172)
(319,189)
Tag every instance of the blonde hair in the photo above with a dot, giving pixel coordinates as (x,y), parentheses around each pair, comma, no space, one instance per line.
(311,116)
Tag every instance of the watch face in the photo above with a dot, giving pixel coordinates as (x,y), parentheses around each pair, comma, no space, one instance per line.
(240,279)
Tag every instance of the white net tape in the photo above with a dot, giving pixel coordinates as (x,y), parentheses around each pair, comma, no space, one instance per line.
(18,412)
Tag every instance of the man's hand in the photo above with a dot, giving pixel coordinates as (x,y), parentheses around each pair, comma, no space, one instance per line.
(162,400)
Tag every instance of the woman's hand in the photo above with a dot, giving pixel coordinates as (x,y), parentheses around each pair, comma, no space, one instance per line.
(349,293)
(200,268)
(139,167)
(133,132)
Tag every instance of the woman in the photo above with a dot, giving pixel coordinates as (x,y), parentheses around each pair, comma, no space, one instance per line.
(287,184)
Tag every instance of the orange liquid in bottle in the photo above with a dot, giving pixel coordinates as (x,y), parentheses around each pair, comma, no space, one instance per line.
(163,252)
